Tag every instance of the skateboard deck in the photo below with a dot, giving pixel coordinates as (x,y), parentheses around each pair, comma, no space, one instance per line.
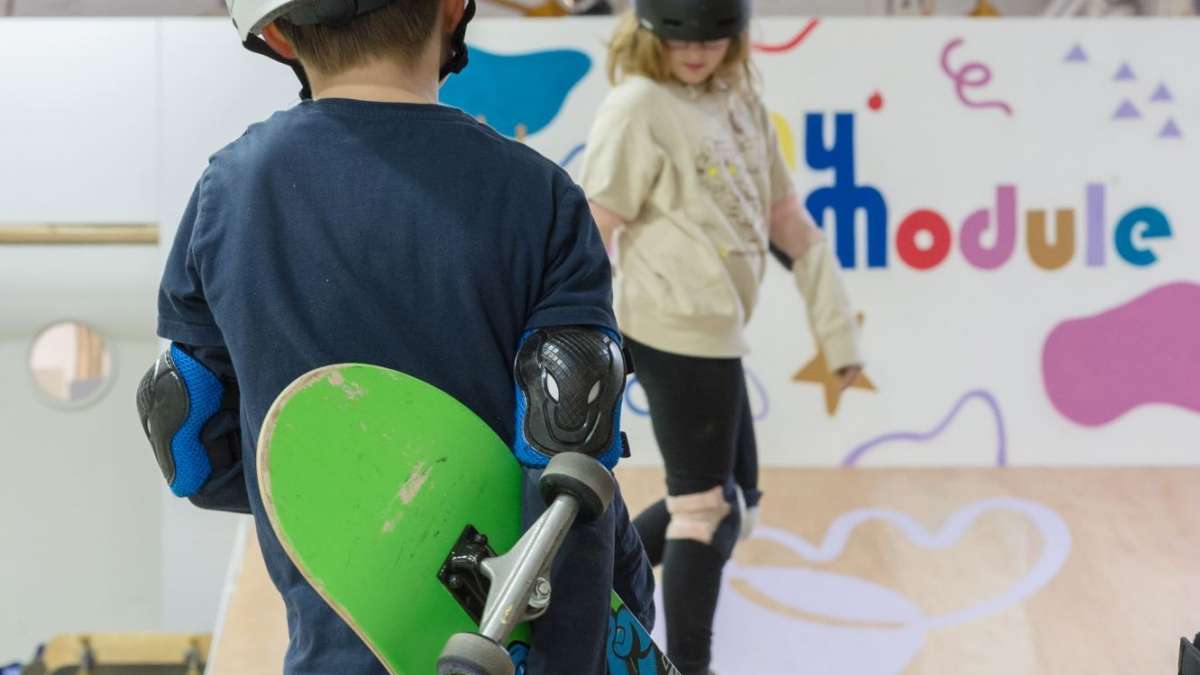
(370,477)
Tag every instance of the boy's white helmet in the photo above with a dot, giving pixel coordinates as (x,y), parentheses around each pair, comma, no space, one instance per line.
(251,16)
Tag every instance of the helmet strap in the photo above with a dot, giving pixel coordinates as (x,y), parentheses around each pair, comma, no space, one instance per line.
(259,46)
(458,45)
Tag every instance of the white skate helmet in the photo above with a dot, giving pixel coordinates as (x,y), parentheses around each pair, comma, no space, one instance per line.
(250,17)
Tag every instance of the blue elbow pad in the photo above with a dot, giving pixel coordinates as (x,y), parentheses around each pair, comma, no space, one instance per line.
(175,399)
(570,384)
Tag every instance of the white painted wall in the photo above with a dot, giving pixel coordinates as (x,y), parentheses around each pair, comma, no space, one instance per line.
(92,538)
(79,509)
(79,515)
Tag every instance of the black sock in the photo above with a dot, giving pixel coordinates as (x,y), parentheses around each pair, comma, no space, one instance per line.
(691,581)
(651,526)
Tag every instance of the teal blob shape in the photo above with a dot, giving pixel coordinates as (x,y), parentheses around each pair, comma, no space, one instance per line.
(528,89)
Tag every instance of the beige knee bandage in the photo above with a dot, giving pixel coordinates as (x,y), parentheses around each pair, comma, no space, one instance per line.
(696,516)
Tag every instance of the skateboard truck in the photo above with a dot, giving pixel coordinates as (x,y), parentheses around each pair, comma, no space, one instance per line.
(517,587)
(462,573)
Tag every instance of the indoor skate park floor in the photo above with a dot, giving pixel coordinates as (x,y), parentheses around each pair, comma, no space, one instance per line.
(914,571)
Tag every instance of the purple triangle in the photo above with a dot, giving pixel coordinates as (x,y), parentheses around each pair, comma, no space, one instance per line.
(1125,73)
(1162,94)
(1076,55)
(1170,130)
(1126,111)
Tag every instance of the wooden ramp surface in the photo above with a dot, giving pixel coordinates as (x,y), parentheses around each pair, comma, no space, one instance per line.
(921,572)
(251,635)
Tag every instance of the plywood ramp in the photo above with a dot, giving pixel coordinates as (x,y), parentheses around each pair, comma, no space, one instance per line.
(251,635)
(920,572)
(987,572)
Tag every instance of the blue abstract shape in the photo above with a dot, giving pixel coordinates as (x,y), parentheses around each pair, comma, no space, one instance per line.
(522,89)
(630,647)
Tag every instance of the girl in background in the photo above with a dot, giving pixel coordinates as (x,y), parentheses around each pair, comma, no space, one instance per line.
(686,180)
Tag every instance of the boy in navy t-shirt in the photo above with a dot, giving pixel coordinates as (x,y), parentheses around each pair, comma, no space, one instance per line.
(370,224)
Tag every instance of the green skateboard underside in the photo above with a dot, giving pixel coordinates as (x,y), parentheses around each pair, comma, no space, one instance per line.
(369,476)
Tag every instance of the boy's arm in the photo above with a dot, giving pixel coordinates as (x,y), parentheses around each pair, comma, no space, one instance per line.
(570,368)
(188,401)
(576,295)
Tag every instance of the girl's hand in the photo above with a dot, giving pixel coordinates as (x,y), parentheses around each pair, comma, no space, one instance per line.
(847,376)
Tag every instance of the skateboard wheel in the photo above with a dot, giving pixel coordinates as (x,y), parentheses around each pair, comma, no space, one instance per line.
(474,654)
(583,478)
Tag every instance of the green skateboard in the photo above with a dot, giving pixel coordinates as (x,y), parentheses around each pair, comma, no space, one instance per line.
(392,498)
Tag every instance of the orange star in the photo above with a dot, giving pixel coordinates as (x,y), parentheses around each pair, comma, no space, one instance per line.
(817,371)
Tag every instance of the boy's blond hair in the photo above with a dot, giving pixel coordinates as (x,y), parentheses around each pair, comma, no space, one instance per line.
(637,51)
(399,30)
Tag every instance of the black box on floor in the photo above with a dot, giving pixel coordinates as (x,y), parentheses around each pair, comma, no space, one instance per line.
(1189,656)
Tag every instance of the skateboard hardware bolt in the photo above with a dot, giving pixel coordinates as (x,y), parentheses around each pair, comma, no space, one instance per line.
(454,582)
(540,597)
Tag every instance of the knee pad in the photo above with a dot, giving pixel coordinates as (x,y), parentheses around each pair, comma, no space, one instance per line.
(175,399)
(570,384)
(707,517)
(748,515)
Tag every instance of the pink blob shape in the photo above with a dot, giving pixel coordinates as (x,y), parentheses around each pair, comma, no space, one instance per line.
(1098,368)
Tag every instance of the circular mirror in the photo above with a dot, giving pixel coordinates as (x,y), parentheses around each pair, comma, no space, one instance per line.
(71,364)
(585,6)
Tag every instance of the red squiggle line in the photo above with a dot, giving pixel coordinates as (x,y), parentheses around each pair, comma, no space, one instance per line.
(791,44)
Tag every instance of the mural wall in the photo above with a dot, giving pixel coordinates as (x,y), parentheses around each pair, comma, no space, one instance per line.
(1011,204)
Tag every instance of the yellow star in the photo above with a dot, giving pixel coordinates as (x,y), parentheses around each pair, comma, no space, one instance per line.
(817,370)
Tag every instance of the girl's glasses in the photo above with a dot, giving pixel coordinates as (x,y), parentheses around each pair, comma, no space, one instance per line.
(710,46)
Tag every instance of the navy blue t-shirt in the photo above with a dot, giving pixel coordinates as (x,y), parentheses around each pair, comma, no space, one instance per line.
(403,235)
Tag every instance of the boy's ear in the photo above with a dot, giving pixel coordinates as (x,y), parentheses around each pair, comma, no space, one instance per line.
(452,14)
(277,42)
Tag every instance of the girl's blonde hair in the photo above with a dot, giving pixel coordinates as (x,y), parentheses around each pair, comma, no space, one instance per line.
(636,51)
